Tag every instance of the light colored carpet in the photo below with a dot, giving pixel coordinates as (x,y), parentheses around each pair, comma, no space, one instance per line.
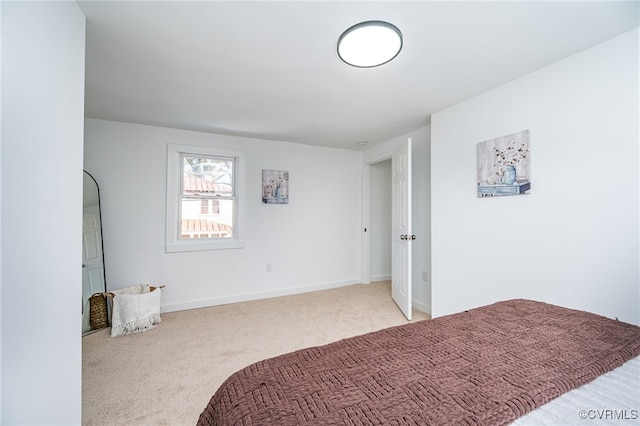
(167,375)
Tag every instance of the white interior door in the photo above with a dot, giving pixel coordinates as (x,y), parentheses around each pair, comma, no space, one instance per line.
(401,236)
(92,265)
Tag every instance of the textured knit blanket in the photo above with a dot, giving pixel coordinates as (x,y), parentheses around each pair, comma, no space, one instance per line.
(135,309)
(485,366)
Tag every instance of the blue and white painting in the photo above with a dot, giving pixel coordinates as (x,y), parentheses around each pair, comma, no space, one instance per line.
(275,187)
(504,165)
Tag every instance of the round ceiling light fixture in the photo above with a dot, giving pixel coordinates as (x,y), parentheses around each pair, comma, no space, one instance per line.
(370,44)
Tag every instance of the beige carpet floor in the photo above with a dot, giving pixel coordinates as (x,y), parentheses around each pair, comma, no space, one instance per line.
(167,375)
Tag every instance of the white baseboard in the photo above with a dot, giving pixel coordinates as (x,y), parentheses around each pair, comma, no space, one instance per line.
(206,303)
(422,307)
(378,278)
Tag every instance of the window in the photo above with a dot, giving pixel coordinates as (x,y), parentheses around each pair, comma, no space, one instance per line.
(205,181)
(204,191)
(210,207)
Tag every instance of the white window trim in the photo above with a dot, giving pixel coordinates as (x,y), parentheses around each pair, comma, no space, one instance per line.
(174,244)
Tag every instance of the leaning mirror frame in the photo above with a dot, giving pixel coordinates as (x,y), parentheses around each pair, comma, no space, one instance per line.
(94,310)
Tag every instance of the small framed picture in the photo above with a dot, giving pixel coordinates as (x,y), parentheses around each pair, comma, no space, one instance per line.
(504,165)
(275,187)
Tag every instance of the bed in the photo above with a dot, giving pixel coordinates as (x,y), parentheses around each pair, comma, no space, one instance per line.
(489,365)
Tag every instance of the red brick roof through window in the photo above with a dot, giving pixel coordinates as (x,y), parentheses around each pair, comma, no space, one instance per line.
(196,185)
(203,226)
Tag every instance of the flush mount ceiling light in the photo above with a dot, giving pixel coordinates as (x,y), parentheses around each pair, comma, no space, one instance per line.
(370,44)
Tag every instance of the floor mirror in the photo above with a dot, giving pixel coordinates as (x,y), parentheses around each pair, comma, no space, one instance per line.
(93,274)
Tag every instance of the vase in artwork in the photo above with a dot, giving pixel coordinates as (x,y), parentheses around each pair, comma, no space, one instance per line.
(509,176)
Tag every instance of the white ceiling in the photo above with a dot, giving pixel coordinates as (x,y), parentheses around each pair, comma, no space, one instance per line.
(270,69)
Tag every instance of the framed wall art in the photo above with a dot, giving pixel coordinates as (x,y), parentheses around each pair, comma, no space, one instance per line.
(504,165)
(275,187)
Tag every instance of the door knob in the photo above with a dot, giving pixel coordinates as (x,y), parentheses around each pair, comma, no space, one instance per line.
(403,236)
(413,237)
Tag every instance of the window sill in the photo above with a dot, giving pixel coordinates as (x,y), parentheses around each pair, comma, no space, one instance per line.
(202,246)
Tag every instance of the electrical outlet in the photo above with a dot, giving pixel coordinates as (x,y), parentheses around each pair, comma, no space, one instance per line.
(425,276)
(268,267)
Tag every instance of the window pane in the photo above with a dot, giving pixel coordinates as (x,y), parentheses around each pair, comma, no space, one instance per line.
(207,176)
(209,206)
(216,223)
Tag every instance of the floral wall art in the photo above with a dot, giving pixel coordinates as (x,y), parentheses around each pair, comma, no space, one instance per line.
(504,165)
(275,187)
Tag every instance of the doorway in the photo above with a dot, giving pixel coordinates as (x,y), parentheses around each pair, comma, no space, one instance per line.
(380,222)
(377,202)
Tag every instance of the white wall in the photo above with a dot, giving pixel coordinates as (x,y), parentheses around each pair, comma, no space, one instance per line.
(573,241)
(380,225)
(1,241)
(421,207)
(41,175)
(312,243)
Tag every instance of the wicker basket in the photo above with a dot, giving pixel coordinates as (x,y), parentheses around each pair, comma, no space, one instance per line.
(134,309)
(98,312)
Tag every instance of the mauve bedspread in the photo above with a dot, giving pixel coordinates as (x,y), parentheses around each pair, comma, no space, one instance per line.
(488,365)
